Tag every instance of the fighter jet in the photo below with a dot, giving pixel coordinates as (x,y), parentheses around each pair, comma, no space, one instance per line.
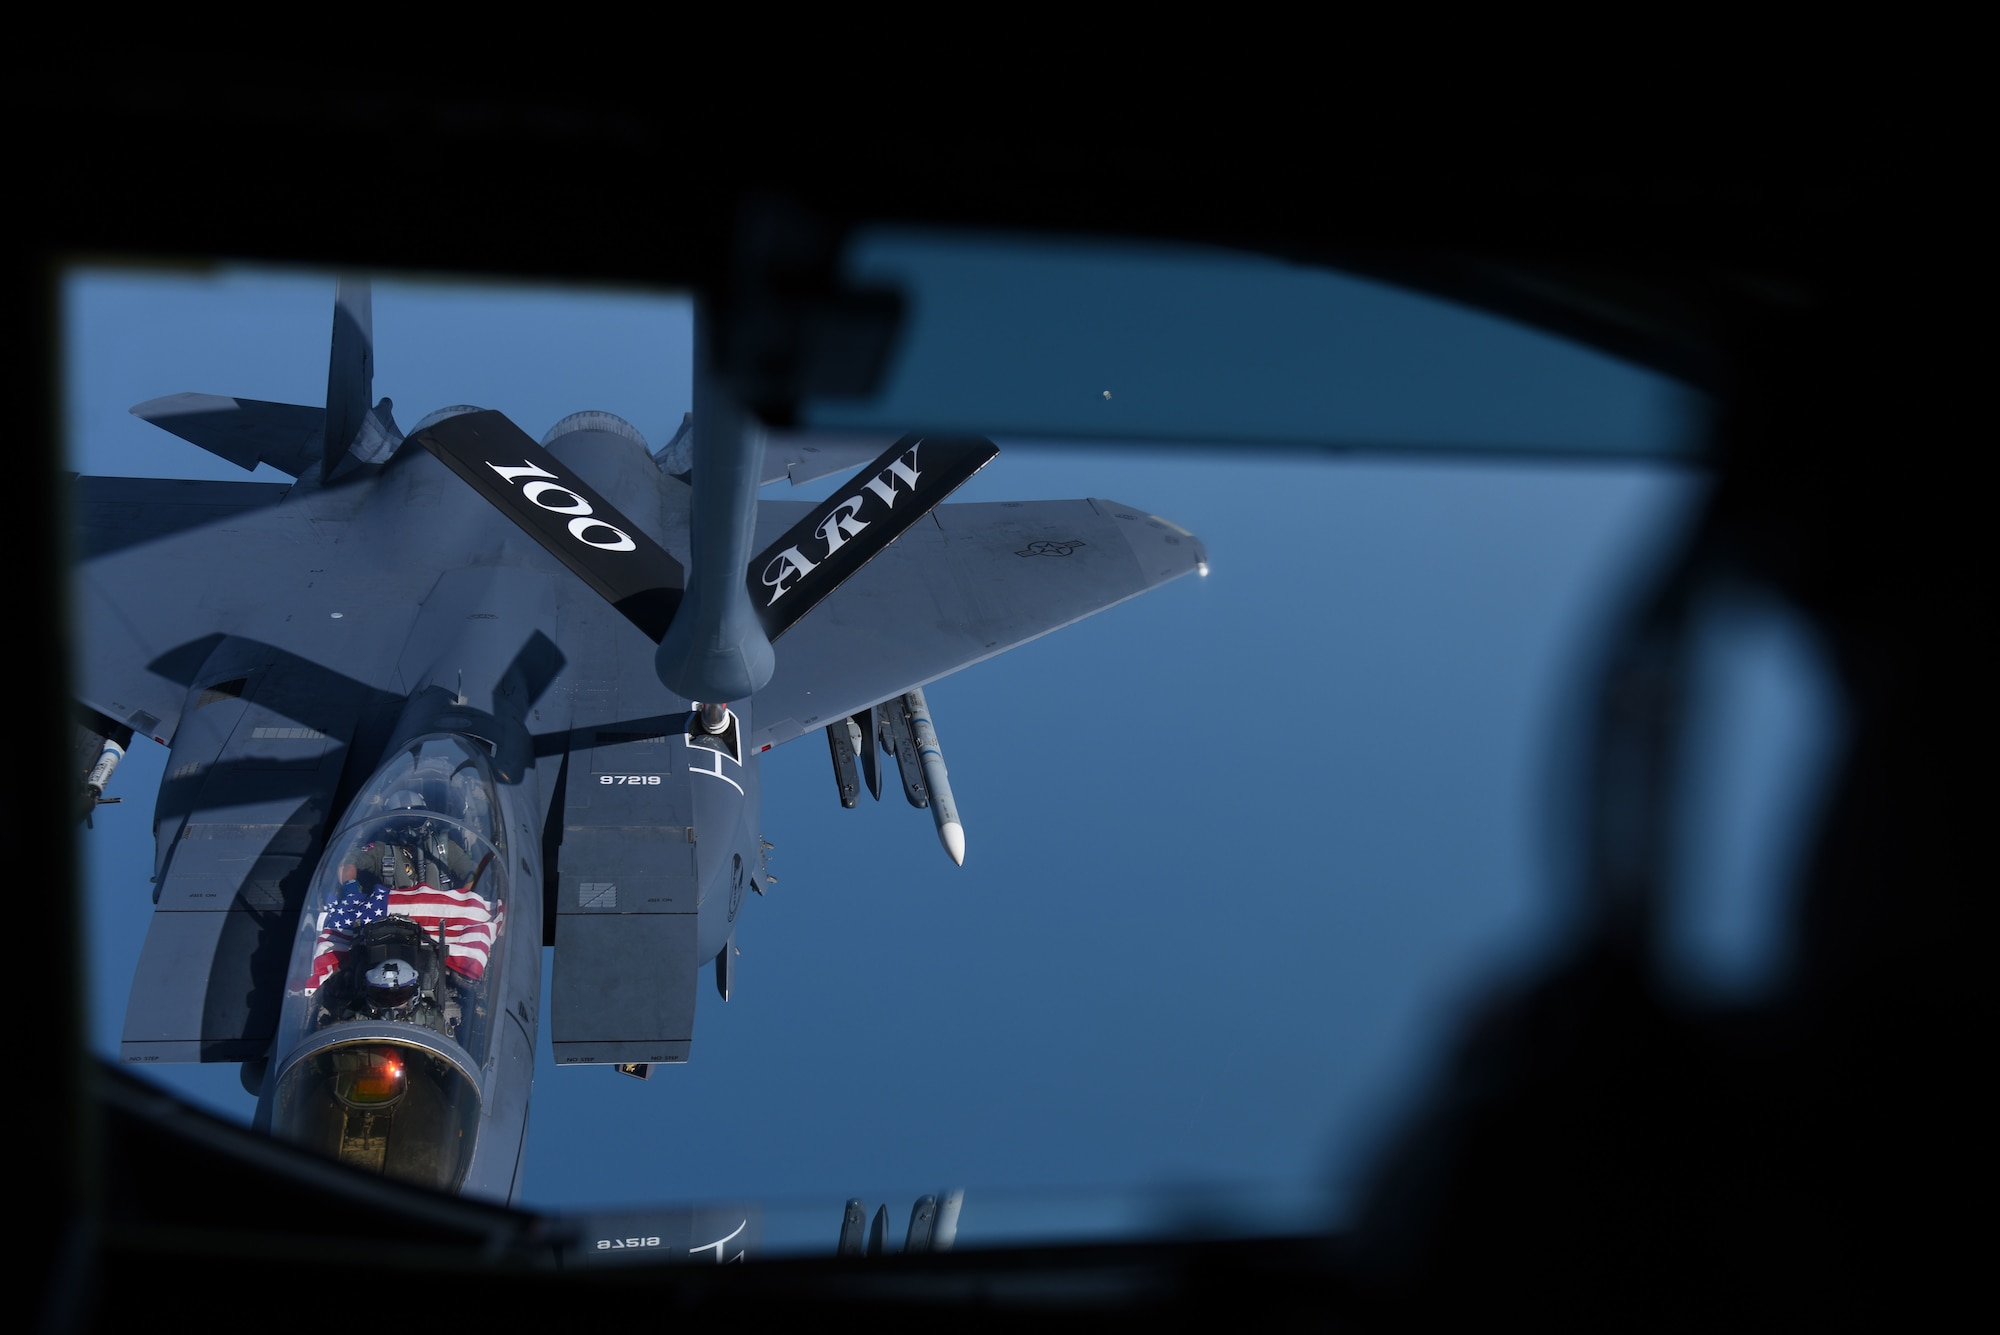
(454,695)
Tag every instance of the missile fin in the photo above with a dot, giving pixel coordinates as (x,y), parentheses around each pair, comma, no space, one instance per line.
(870,754)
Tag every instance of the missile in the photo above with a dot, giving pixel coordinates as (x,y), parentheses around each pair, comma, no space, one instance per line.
(944,811)
(100,773)
(945,1232)
(104,750)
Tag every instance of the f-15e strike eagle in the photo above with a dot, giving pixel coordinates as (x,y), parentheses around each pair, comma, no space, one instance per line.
(450,698)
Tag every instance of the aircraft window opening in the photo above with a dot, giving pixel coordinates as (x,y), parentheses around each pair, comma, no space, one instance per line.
(1393,908)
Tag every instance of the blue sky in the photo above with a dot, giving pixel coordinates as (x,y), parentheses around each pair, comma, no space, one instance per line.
(1239,851)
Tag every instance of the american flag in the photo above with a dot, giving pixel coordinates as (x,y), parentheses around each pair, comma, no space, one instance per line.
(469,924)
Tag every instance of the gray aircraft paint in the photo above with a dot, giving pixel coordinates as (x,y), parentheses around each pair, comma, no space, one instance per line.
(285,639)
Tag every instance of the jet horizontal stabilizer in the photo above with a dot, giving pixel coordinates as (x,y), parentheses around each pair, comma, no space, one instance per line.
(850,528)
(246,432)
(564,514)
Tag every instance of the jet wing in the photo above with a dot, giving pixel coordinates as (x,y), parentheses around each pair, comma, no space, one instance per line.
(171,568)
(118,512)
(246,432)
(971,581)
(801,457)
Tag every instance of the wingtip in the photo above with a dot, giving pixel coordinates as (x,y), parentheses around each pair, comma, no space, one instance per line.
(181,405)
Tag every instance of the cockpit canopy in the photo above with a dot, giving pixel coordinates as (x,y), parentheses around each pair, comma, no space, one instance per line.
(441,776)
(398,949)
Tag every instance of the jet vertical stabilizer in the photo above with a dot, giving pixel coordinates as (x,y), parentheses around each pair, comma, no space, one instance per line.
(350,370)
(291,436)
(354,432)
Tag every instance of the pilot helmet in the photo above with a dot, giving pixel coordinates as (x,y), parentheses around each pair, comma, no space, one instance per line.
(392,985)
(431,778)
